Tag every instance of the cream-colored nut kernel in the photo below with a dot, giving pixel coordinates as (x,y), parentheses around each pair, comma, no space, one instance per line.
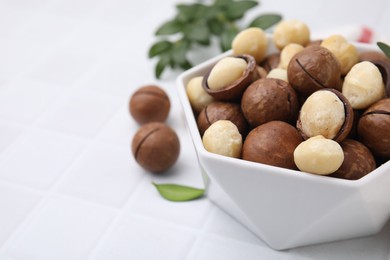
(261,71)
(225,72)
(223,138)
(363,85)
(251,41)
(345,52)
(197,96)
(291,31)
(318,155)
(287,53)
(322,113)
(278,73)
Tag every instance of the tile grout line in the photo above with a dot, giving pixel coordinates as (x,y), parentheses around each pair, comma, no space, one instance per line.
(203,231)
(115,220)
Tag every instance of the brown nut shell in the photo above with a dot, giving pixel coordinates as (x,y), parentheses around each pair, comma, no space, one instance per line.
(222,111)
(372,55)
(345,128)
(234,90)
(155,147)
(358,161)
(312,69)
(384,68)
(149,104)
(272,143)
(374,128)
(269,99)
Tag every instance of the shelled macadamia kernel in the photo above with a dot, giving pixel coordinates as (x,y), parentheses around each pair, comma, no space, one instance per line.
(287,53)
(318,155)
(197,96)
(223,138)
(344,51)
(291,31)
(363,85)
(251,41)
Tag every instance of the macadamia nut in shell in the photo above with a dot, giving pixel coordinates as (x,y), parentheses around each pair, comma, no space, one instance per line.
(149,104)
(226,71)
(272,143)
(323,114)
(155,147)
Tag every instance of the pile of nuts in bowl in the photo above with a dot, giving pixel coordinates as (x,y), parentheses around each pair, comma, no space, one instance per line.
(320,106)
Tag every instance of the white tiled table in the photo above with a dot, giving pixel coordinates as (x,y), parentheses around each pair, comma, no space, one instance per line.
(69,186)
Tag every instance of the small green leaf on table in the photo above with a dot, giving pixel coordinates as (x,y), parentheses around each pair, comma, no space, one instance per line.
(175,192)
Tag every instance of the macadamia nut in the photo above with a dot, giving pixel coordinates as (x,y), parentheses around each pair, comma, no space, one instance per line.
(322,113)
(223,138)
(344,51)
(278,73)
(149,104)
(287,53)
(156,147)
(197,96)
(363,85)
(251,41)
(225,72)
(291,31)
(318,155)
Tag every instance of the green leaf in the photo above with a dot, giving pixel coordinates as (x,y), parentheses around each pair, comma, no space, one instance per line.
(179,51)
(174,192)
(385,48)
(190,12)
(227,37)
(185,12)
(198,32)
(236,10)
(170,27)
(161,64)
(265,21)
(186,65)
(159,47)
(223,3)
(215,26)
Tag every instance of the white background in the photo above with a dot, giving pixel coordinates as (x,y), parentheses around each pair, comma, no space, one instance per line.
(69,186)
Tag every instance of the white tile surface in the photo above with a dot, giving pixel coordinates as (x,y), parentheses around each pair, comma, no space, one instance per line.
(192,213)
(23,100)
(9,132)
(63,229)
(140,238)
(15,203)
(102,174)
(38,158)
(82,113)
(210,247)
(69,186)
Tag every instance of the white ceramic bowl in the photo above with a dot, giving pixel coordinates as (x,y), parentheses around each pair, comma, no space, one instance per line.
(288,208)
